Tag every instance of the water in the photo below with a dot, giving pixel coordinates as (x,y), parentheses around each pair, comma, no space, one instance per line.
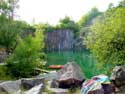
(86,61)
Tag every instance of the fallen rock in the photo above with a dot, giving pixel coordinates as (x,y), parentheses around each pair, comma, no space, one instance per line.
(10,87)
(70,76)
(35,90)
(28,83)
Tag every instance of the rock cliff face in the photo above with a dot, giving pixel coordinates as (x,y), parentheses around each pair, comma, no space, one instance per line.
(59,40)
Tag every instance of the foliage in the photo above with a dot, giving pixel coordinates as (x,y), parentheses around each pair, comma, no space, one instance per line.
(4,75)
(67,23)
(22,25)
(13,4)
(86,19)
(107,38)
(27,55)
(45,27)
(4,8)
(111,5)
(8,34)
(8,7)
(122,3)
(8,27)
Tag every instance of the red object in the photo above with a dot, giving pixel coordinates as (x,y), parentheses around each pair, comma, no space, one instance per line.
(56,66)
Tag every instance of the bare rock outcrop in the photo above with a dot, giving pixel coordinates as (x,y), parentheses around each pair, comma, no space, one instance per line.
(59,40)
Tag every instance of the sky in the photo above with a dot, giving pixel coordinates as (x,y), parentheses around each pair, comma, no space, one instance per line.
(51,11)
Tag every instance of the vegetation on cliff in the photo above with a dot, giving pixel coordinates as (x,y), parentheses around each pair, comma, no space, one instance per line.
(107,37)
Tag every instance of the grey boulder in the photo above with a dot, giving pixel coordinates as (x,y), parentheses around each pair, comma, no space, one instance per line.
(10,87)
(28,83)
(35,90)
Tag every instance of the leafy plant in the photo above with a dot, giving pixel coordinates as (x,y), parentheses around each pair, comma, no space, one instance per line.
(27,55)
(107,38)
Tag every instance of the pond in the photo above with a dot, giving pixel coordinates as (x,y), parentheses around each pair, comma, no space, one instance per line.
(85,60)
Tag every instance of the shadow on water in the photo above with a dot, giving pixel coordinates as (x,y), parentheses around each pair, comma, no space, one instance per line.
(86,61)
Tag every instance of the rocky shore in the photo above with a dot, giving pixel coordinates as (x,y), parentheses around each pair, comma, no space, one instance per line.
(68,80)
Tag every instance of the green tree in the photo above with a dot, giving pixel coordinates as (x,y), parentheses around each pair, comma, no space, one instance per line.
(45,27)
(4,8)
(27,55)
(67,23)
(8,7)
(9,29)
(122,3)
(107,38)
(86,19)
(8,34)
(13,5)
(111,5)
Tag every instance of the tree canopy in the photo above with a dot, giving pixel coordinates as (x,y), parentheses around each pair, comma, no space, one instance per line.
(122,3)
(8,33)
(85,20)
(67,23)
(107,38)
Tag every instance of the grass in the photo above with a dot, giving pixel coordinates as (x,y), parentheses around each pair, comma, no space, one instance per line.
(74,91)
(86,61)
(3,74)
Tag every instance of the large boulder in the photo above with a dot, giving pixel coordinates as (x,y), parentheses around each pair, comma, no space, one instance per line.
(118,76)
(28,83)
(118,79)
(70,76)
(10,87)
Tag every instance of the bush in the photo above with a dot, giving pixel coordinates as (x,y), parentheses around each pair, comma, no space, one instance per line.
(27,55)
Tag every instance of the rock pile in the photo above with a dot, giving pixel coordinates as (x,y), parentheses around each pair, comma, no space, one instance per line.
(14,87)
(68,77)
